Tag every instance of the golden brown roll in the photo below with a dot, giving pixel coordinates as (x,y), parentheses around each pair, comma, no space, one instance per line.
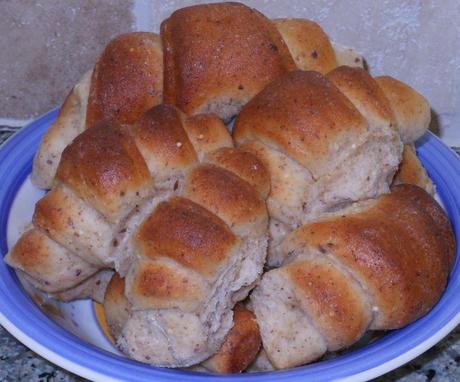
(126,81)
(324,145)
(379,264)
(188,235)
(218,56)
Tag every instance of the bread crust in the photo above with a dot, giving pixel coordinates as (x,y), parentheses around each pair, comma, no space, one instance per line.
(348,56)
(116,306)
(50,266)
(104,166)
(332,300)
(207,133)
(241,344)
(401,248)
(308,44)
(164,144)
(165,284)
(243,163)
(69,123)
(66,219)
(218,56)
(307,117)
(411,171)
(176,229)
(127,79)
(228,196)
(411,110)
(365,93)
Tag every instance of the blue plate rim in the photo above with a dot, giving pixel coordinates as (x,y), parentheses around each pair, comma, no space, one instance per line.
(66,350)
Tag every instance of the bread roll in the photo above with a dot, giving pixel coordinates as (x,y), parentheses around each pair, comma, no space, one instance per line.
(218,56)
(378,265)
(126,81)
(189,236)
(69,123)
(411,110)
(238,350)
(322,149)
(241,344)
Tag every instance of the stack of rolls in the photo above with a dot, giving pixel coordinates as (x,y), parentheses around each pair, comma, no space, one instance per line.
(169,217)
(175,209)
(209,58)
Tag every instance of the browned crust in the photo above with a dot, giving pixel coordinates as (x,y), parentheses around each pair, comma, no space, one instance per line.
(331,301)
(161,138)
(411,110)
(104,167)
(207,133)
(215,50)
(305,115)
(411,171)
(442,228)
(187,233)
(225,194)
(401,248)
(241,344)
(308,44)
(31,250)
(47,263)
(48,214)
(358,85)
(127,79)
(163,285)
(244,164)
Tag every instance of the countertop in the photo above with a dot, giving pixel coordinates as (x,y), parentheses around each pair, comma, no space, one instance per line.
(19,364)
(439,364)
